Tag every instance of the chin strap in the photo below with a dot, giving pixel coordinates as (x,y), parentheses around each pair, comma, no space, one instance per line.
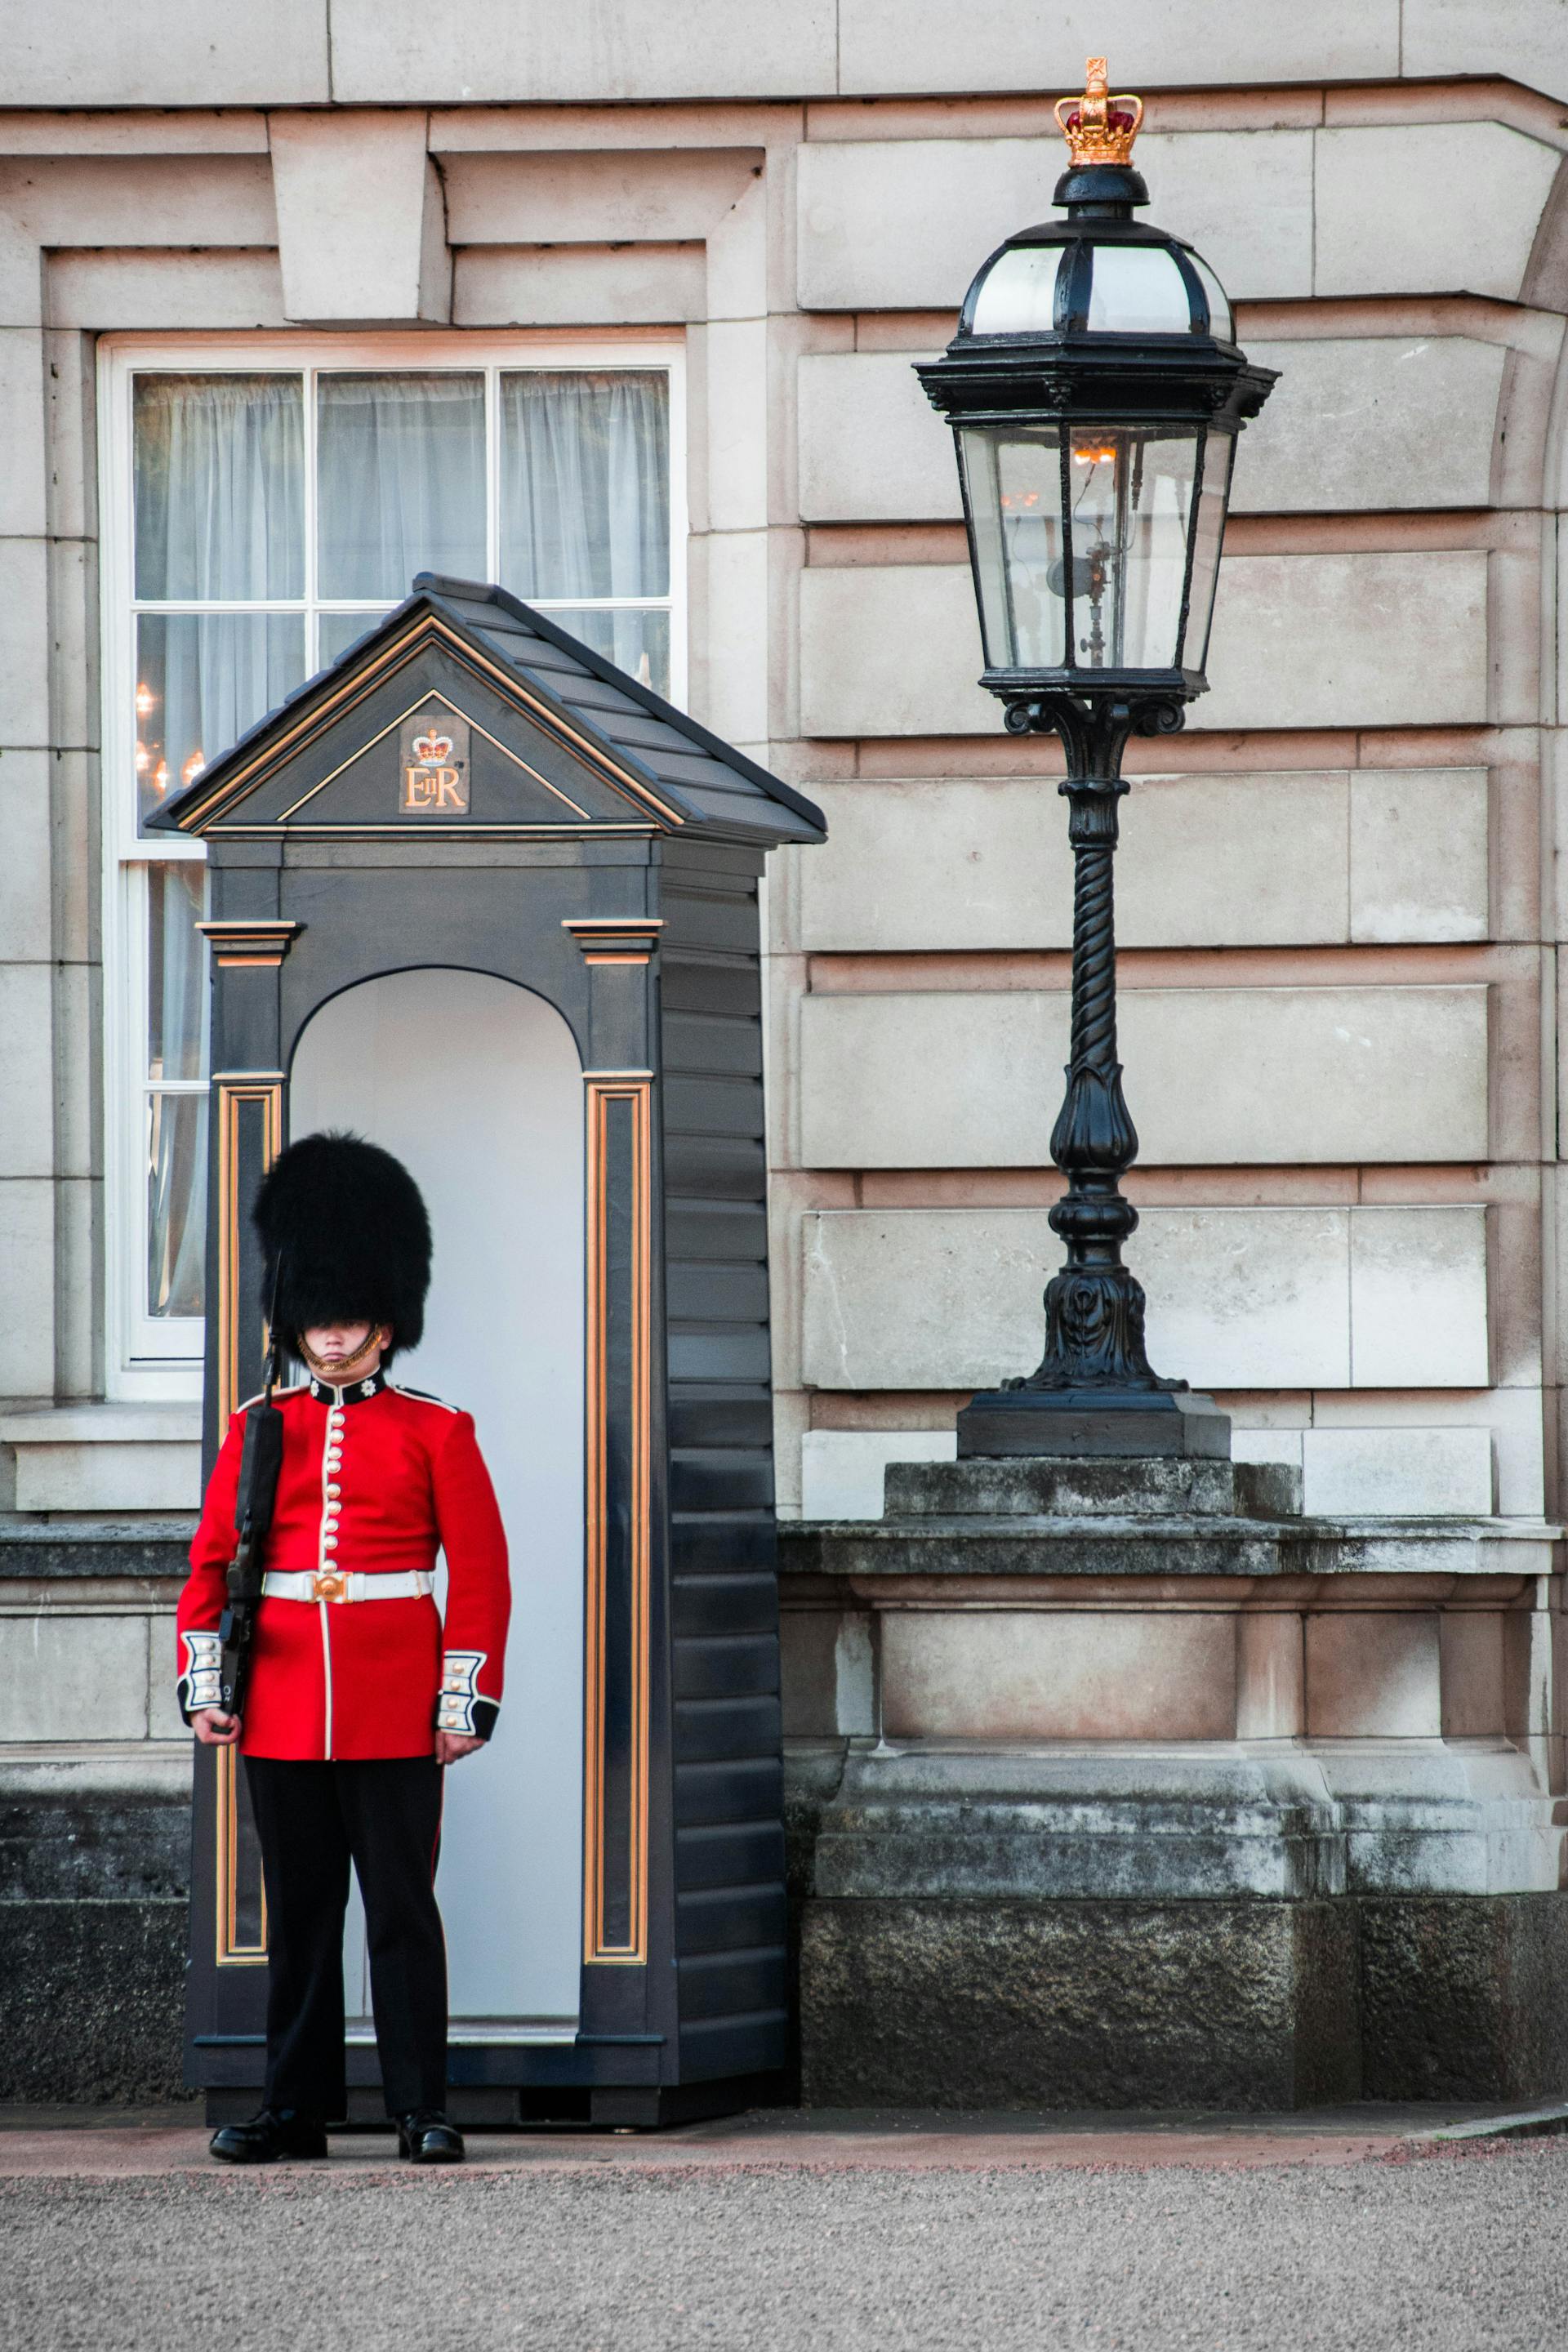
(343,1376)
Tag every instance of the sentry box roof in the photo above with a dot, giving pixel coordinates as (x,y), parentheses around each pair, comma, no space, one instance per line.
(550,740)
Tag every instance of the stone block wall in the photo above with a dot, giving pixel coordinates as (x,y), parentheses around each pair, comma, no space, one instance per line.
(1336,904)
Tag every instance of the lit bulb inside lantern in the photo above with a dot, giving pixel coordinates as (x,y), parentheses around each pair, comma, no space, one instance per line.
(192,767)
(1089,454)
(146,701)
(161,777)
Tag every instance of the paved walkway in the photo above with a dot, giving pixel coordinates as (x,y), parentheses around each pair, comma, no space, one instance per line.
(783,2232)
(98,2143)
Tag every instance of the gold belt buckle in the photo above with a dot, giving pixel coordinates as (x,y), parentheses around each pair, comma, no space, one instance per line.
(332,1584)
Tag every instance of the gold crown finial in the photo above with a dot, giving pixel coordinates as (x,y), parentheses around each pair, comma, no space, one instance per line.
(1097,128)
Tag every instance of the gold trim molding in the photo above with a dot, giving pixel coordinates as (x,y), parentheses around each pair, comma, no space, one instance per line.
(257,942)
(231,1953)
(614,939)
(233,1094)
(604,1089)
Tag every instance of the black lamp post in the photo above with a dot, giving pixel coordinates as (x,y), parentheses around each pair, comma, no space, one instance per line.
(1095,393)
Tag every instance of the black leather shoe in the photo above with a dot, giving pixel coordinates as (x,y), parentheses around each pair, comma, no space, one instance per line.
(275,2132)
(425,2136)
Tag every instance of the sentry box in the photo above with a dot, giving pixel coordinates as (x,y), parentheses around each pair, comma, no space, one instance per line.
(481,896)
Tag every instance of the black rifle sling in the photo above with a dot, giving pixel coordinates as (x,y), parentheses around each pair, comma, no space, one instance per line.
(260,1464)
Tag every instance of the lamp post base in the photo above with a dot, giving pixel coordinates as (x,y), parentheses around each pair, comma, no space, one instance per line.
(1094,1422)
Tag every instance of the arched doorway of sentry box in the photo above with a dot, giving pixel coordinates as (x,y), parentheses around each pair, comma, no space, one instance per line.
(476,1087)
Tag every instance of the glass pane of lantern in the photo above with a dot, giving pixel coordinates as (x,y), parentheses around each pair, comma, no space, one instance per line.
(1018,294)
(1137,289)
(202,679)
(1132,493)
(1013,480)
(1221,324)
(1207,530)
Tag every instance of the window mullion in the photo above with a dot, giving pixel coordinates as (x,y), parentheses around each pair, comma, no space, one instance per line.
(311,583)
(241,604)
(492,473)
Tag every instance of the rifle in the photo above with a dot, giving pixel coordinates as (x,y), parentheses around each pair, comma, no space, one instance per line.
(259,1466)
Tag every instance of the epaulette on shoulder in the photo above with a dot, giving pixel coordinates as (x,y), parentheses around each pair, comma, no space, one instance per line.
(296,1390)
(423,1396)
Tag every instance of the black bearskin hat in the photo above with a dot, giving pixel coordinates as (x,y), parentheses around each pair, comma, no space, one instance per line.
(345,1221)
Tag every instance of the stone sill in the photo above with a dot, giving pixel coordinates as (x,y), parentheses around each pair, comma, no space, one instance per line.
(113,1768)
(1177,1546)
(94,1548)
(103,1425)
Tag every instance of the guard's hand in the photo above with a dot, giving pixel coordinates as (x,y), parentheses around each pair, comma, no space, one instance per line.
(214,1728)
(450,1745)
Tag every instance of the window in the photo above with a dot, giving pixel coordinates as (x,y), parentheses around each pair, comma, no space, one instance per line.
(264,505)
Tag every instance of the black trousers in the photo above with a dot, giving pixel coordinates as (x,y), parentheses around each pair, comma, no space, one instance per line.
(311,1821)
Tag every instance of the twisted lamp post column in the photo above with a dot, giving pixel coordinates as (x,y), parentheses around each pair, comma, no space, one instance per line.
(1094,1307)
(1095,1389)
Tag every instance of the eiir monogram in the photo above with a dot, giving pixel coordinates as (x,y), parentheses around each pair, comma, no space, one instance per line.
(435,764)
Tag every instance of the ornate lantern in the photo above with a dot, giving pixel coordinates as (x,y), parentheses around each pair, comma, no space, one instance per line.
(1095,392)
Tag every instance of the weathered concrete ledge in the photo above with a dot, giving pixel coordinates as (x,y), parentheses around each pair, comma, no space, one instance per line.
(1124,1545)
(52,1547)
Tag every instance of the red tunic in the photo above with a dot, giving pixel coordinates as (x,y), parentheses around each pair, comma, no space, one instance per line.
(376,1479)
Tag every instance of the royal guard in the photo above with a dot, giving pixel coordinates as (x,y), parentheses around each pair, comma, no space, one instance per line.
(355,1696)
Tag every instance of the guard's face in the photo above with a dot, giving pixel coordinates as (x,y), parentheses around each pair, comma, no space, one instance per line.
(353,1349)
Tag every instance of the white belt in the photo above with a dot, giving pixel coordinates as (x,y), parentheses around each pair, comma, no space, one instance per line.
(345,1584)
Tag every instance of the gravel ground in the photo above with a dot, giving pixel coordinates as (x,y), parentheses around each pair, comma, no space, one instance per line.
(1438,2253)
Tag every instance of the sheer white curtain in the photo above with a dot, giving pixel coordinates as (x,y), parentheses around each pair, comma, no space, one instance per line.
(205,677)
(585,484)
(400,481)
(219,519)
(176,1120)
(585,503)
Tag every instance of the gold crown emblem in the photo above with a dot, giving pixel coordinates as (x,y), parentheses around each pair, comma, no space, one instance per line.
(1097,128)
(432,750)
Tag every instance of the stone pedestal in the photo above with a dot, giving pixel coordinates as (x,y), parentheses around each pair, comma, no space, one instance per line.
(1120,1422)
(1120,1783)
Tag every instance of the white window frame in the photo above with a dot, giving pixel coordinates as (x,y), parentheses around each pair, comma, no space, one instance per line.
(151,1358)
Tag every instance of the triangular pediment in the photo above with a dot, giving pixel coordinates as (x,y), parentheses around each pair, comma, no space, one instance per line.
(418,739)
(468,713)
